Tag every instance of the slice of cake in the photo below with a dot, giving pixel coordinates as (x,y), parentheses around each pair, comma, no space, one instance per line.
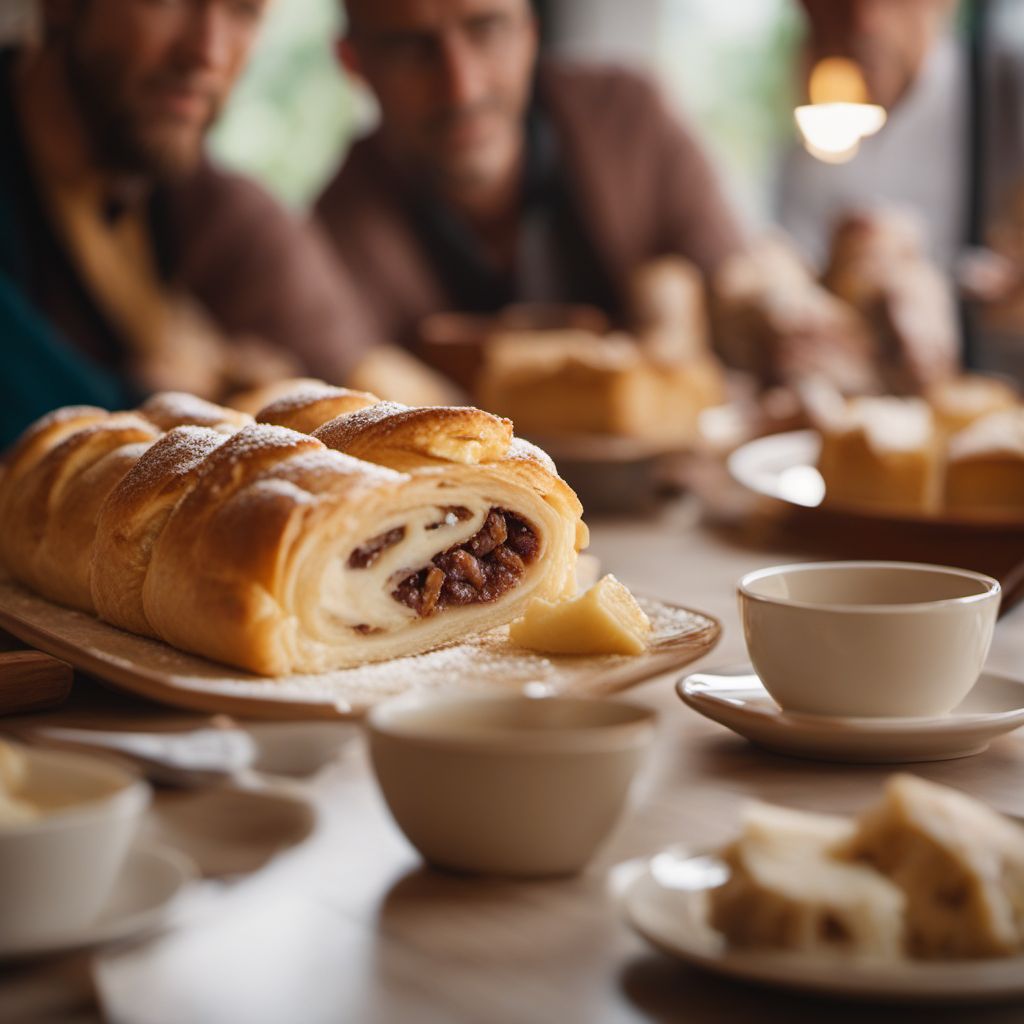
(572,382)
(879,453)
(959,864)
(961,401)
(785,891)
(985,466)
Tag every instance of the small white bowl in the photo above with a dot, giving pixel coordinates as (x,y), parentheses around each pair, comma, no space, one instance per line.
(515,786)
(57,870)
(868,639)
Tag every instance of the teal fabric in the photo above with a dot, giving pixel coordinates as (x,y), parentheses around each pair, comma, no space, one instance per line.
(38,370)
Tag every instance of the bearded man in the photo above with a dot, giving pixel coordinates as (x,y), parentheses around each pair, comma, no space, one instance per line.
(128,262)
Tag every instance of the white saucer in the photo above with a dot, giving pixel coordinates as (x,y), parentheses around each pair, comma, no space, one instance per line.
(141,901)
(735,698)
(665,900)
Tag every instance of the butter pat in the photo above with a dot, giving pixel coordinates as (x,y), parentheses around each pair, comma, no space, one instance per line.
(602,620)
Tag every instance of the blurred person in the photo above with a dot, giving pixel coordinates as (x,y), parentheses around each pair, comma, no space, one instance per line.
(952,150)
(127,261)
(496,178)
(914,66)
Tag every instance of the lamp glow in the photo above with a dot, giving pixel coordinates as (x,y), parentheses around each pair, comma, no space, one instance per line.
(838,117)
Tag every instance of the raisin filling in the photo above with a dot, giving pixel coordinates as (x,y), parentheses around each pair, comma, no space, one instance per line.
(480,569)
(452,514)
(366,554)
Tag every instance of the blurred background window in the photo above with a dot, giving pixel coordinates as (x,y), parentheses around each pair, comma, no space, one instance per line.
(728,66)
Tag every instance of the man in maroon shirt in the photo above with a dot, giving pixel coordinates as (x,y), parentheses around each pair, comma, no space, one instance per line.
(494,179)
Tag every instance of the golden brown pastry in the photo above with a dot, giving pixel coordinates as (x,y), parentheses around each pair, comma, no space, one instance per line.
(169,409)
(403,437)
(960,401)
(253,400)
(268,550)
(310,407)
(879,453)
(45,434)
(134,514)
(985,466)
(288,556)
(571,382)
(61,471)
(48,512)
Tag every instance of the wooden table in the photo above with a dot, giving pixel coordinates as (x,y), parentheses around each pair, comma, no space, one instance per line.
(350,926)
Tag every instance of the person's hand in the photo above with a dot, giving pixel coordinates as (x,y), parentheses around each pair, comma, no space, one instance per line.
(250,362)
(918,328)
(188,355)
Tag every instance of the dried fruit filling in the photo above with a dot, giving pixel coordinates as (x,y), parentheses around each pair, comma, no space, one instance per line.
(480,569)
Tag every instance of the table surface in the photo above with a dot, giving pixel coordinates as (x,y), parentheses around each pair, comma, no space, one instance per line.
(350,926)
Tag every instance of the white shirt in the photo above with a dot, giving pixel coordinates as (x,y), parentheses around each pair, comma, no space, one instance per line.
(917,161)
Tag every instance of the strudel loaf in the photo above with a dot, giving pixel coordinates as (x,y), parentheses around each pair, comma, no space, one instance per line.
(376,531)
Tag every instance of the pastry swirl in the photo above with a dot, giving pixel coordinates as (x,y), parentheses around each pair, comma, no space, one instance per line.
(387,531)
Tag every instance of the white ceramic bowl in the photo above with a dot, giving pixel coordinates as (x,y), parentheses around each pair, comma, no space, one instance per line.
(57,870)
(868,638)
(507,785)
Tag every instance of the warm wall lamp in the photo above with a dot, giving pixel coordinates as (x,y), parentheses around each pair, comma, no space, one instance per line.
(839,115)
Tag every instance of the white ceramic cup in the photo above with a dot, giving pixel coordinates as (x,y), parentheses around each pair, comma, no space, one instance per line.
(870,639)
(514,786)
(57,871)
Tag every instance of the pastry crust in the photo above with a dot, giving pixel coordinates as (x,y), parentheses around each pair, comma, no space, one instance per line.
(48,516)
(403,437)
(133,516)
(169,409)
(985,466)
(310,407)
(254,399)
(271,551)
(568,382)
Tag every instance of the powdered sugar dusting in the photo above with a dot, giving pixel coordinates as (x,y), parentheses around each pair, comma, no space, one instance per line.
(520,449)
(999,433)
(340,432)
(172,457)
(169,409)
(329,461)
(312,395)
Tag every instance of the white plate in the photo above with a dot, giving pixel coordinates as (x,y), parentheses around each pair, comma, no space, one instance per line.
(665,900)
(736,698)
(141,901)
(782,467)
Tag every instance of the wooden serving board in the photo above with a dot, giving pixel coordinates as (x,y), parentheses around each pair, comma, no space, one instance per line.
(488,662)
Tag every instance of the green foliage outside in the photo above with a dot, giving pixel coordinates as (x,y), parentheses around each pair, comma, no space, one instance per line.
(293,114)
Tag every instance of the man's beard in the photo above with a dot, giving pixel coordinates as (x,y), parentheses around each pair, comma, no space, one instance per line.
(120,141)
